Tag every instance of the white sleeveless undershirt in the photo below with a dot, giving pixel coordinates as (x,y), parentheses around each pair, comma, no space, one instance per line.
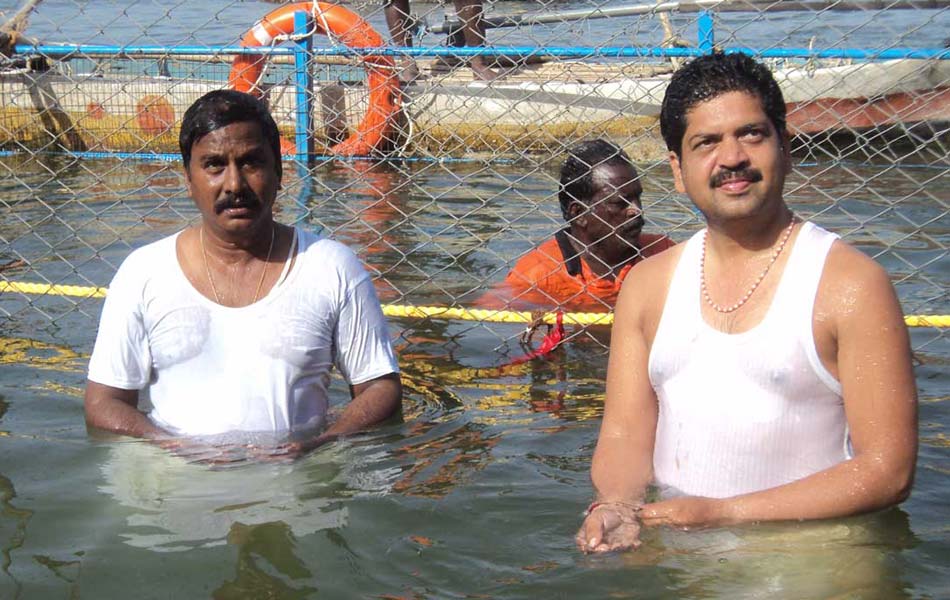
(745,412)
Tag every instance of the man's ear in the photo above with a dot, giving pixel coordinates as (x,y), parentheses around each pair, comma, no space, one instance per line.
(188,180)
(787,152)
(577,214)
(677,173)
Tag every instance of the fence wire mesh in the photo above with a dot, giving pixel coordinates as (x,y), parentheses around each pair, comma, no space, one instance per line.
(463,173)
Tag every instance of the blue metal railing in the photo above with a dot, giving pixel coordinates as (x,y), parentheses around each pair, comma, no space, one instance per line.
(706,29)
(302,50)
(84,51)
(303,82)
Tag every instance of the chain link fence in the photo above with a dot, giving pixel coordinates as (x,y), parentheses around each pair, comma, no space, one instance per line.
(442,183)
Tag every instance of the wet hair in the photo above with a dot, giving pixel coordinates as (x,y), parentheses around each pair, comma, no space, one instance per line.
(710,76)
(577,172)
(221,108)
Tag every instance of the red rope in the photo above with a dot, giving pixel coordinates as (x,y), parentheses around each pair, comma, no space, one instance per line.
(550,342)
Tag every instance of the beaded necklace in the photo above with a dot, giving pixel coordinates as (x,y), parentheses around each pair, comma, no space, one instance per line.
(745,298)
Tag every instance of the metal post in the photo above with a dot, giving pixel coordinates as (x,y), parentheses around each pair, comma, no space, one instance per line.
(707,32)
(303,47)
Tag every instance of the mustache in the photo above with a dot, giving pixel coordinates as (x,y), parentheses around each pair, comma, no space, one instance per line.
(231,200)
(746,173)
(636,223)
(632,226)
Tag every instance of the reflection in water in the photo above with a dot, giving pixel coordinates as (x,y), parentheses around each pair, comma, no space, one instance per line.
(855,557)
(66,570)
(443,451)
(271,542)
(12,528)
(41,355)
(376,195)
(367,209)
(175,506)
(440,458)
(557,385)
(816,560)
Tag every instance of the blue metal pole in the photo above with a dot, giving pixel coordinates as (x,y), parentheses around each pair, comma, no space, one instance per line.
(79,51)
(68,50)
(707,32)
(303,48)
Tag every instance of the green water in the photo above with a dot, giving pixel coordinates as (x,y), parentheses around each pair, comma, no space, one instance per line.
(477,493)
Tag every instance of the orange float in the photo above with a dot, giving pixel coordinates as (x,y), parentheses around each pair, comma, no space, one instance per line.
(351,30)
(155,114)
(95,110)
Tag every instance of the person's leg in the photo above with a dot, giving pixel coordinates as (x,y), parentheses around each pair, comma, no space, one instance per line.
(397,17)
(470,14)
(400,32)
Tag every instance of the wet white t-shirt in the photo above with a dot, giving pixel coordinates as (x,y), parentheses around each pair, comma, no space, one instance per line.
(210,369)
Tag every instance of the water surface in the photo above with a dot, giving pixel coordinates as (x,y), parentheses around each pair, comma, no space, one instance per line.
(478,492)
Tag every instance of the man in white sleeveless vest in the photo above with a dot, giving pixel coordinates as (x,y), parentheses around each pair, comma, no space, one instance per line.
(764,373)
(234,324)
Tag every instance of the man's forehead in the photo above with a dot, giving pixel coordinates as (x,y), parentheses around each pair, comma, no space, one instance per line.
(245,133)
(614,175)
(708,112)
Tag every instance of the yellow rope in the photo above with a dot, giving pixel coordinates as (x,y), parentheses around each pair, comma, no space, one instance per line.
(492,316)
(927,320)
(46,289)
(422,312)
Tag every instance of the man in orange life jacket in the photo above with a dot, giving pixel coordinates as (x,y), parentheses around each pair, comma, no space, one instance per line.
(583,265)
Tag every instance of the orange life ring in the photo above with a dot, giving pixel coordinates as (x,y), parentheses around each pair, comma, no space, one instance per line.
(352,31)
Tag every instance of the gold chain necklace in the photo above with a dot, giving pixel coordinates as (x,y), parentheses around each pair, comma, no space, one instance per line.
(755,284)
(260,283)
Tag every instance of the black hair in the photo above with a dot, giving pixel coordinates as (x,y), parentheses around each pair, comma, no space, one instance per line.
(577,172)
(221,108)
(710,76)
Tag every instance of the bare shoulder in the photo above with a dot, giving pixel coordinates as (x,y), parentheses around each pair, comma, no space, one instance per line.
(644,290)
(851,274)
(854,287)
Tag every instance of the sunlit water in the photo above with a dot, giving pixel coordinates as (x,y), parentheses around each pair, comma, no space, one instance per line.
(478,492)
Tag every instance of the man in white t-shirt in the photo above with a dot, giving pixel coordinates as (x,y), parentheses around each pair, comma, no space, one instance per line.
(761,370)
(233,325)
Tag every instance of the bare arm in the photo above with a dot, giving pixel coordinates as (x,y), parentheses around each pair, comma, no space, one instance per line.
(623,461)
(869,351)
(362,339)
(373,402)
(114,409)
